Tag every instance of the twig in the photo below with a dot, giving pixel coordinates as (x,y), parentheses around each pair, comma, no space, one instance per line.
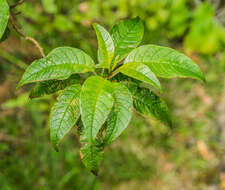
(102,73)
(114,73)
(16,28)
(16,4)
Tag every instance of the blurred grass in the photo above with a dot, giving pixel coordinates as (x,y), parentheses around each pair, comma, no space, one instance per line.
(147,155)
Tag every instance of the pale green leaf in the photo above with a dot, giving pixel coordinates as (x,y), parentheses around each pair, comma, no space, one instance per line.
(96,104)
(52,86)
(121,113)
(64,114)
(91,156)
(140,72)
(59,64)
(106,46)
(165,62)
(4,16)
(127,34)
(49,6)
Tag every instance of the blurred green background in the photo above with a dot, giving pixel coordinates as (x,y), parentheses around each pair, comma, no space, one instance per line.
(148,155)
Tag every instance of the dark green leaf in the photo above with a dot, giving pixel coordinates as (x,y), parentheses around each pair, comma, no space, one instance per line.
(59,64)
(96,104)
(5,35)
(140,72)
(52,86)
(4,16)
(106,46)
(121,113)
(149,103)
(127,34)
(64,114)
(91,156)
(165,62)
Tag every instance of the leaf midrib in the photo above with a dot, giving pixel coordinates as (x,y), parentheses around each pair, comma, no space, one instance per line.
(174,64)
(67,106)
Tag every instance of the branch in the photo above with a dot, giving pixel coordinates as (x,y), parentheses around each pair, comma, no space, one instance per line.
(17,29)
(20,2)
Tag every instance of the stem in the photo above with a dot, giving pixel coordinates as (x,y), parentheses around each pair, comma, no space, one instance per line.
(102,73)
(114,73)
(17,29)
(16,4)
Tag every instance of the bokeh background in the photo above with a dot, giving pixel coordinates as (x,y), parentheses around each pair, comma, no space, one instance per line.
(148,155)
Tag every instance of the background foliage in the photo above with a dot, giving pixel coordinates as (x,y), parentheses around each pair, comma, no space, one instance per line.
(147,155)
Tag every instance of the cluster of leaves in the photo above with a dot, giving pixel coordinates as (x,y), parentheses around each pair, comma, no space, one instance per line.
(99,98)
(206,35)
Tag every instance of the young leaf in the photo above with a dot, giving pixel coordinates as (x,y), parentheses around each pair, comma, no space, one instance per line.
(96,104)
(127,34)
(4,16)
(64,114)
(106,46)
(91,155)
(59,64)
(148,103)
(52,86)
(140,72)
(121,113)
(165,62)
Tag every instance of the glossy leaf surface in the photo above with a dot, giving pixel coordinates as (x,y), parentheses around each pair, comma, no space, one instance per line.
(105,46)
(140,72)
(148,103)
(91,156)
(121,113)
(4,16)
(64,113)
(59,64)
(96,104)
(127,34)
(165,62)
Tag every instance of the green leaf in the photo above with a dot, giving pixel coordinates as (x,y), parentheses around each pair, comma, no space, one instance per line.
(106,46)
(140,72)
(4,16)
(52,86)
(121,113)
(127,34)
(91,155)
(5,35)
(64,114)
(148,103)
(165,62)
(59,64)
(49,6)
(81,132)
(96,104)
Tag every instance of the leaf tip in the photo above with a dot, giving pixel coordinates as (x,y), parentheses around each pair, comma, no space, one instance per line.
(55,146)
(19,85)
(137,18)
(95,25)
(94,172)
(203,78)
